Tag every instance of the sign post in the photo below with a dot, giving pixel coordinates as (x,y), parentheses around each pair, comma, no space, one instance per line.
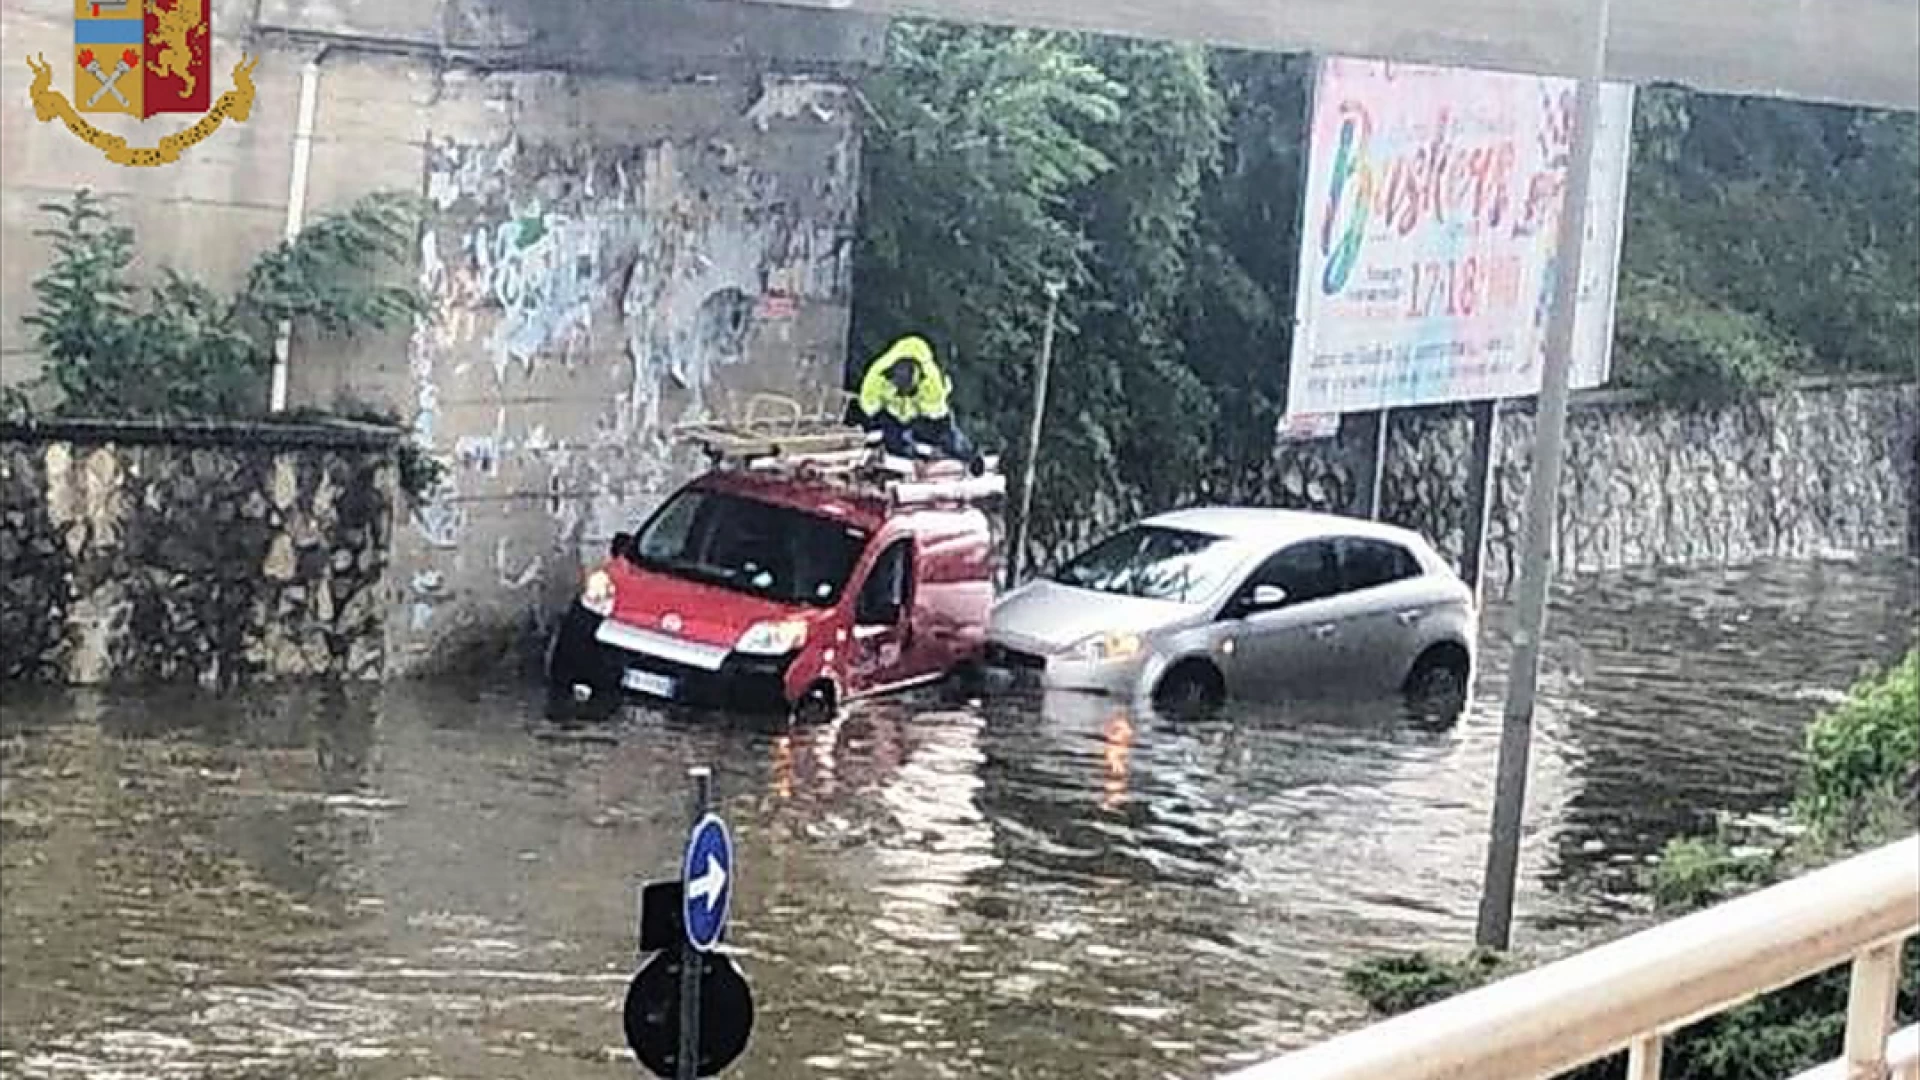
(1030,465)
(1377,485)
(1480,481)
(691,959)
(689,1012)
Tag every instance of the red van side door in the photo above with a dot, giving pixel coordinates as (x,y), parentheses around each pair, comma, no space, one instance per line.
(955,592)
(882,638)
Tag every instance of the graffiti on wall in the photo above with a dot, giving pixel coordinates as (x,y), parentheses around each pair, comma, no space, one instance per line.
(586,298)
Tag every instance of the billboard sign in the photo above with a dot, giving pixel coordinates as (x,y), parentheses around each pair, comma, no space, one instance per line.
(1432,203)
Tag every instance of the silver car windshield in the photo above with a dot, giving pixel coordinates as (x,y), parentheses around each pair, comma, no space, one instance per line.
(1154,563)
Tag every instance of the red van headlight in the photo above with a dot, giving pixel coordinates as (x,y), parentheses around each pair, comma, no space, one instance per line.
(773,638)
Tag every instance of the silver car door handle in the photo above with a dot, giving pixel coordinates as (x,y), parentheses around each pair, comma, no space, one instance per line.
(1408,618)
(1324,631)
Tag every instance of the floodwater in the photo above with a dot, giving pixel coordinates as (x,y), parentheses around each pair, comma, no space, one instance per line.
(414,881)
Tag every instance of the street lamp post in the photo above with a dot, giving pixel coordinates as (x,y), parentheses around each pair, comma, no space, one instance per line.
(1494,930)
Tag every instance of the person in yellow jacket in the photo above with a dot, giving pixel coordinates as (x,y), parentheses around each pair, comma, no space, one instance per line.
(905,396)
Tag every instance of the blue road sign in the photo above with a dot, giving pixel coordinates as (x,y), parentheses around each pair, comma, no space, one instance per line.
(707,876)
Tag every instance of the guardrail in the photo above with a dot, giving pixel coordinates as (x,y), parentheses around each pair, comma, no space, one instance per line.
(1903,1060)
(1629,993)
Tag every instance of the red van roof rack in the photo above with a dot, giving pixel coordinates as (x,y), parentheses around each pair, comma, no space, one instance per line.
(775,434)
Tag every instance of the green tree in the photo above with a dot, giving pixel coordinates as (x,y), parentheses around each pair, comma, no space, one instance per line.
(178,348)
(997,161)
(1767,239)
(1129,411)
(85,307)
(975,140)
(1237,314)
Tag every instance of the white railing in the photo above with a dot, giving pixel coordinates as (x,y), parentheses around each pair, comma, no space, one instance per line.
(1629,993)
(1903,1060)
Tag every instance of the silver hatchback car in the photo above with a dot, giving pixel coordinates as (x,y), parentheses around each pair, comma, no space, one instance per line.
(1189,608)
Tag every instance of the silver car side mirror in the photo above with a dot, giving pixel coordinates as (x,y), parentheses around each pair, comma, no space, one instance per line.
(1267,597)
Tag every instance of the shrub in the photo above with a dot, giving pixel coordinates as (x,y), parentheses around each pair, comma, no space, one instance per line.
(1689,349)
(1867,747)
(1694,872)
(1397,984)
(178,348)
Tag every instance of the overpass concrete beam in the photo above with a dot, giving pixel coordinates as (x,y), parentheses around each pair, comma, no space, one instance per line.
(1858,52)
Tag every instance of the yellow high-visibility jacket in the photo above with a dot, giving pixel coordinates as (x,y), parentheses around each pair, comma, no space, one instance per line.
(929,399)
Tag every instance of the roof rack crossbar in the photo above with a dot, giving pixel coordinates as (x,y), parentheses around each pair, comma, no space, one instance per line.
(965,490)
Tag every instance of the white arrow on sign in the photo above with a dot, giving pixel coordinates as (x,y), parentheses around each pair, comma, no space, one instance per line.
(710,884)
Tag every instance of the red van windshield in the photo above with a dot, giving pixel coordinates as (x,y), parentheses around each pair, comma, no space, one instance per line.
(753,547)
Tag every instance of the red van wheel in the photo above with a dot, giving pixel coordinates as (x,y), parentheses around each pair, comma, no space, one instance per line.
(816,706)
(966,682)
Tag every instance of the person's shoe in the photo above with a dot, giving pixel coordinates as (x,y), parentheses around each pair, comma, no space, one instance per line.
(977,466)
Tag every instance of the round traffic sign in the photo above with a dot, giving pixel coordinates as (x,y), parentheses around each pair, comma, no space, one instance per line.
(707,878)
(652,1013)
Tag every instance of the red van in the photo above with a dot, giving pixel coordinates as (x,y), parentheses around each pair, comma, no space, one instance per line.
(780,586)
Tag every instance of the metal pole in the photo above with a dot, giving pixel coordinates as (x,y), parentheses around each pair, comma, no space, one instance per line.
(1486,432)
(1495,927)
(1376,486)
(296,213)
(1043,369)
(687,1063)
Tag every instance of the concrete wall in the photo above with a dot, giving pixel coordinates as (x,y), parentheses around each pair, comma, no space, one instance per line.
(1819,471)
(612,259)
(211,553)
(637,213)
(1781,48)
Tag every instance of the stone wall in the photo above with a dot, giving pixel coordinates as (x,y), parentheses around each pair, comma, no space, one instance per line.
(1824,469)
(210,553)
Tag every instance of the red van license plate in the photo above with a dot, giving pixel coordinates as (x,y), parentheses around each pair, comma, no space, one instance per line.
(648,683)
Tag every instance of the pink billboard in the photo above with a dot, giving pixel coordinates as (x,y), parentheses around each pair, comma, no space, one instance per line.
(1432,203)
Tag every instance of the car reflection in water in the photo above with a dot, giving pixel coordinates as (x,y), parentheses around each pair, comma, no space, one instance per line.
(898,782)
(1119,737)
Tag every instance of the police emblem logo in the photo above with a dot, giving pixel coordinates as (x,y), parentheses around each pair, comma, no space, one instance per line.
(142,58)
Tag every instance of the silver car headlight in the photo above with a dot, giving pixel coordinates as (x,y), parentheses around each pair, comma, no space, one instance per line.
(1112,645)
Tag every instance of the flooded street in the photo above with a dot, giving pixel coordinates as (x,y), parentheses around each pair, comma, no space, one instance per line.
(416,881)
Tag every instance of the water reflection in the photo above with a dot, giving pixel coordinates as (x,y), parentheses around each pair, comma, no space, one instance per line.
(1119,743)
(405,881)
(1698,703)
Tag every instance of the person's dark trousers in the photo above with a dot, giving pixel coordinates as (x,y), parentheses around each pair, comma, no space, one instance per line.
(896,436)
(902,439)
(943,435)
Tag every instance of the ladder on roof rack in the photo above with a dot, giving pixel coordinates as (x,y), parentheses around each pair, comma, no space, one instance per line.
(775,426)
(775,433)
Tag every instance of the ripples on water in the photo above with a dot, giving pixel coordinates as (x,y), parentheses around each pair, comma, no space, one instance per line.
(414,881)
